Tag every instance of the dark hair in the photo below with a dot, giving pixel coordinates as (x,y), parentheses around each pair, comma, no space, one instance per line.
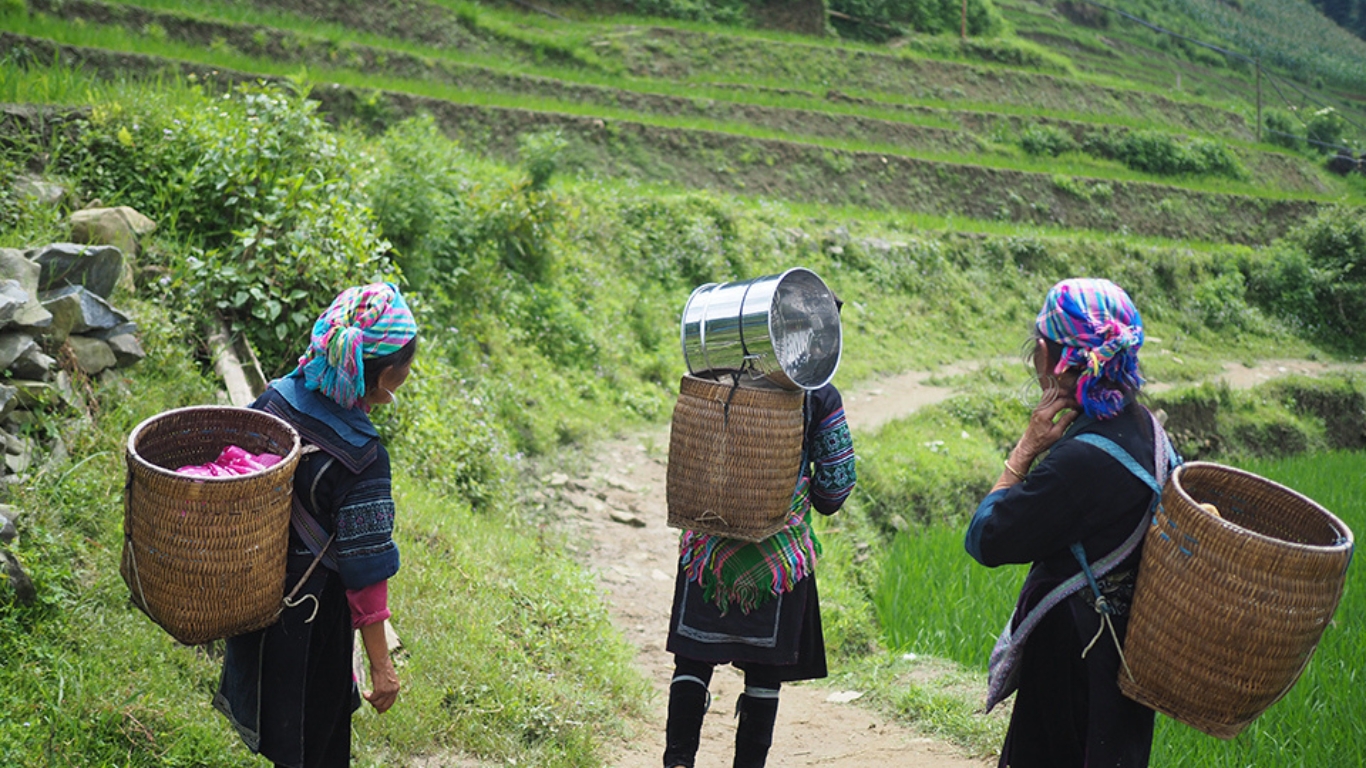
(372,368)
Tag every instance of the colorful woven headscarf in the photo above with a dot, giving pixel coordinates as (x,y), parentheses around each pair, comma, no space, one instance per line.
(1100,331)
(363,323)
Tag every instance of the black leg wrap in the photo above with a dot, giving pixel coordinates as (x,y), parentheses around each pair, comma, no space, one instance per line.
(754,734)
(688,701)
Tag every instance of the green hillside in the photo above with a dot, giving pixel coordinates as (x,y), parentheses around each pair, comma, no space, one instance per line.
(549,185)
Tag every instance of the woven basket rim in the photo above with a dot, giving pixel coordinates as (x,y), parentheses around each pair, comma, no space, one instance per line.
(147,466)
(1345,537)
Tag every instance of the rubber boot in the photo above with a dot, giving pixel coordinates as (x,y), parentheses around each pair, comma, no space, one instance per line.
(754,734)
(688,703)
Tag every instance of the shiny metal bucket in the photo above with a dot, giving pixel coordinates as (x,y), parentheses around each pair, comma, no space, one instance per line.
(784,327)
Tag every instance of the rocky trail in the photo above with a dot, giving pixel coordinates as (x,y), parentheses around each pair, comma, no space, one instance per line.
(615,510)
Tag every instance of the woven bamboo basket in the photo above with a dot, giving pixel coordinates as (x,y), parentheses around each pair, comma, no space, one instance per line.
(1227,610)
(734,457)
(205,557)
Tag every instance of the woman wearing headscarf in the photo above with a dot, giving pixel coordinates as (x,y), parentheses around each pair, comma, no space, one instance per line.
(1077,514)
(754,605)
(289,689)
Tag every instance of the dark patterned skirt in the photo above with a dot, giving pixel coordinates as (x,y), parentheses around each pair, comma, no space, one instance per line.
(783,633)
(288,689)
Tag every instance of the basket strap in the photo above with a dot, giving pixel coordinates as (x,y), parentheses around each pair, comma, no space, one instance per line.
(310,531)
(1123,457)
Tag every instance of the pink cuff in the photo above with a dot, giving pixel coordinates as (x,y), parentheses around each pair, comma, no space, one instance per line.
(369,605)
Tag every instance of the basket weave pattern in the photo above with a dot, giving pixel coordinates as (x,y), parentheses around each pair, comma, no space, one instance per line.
(1227,612)
(205,557)
(732,471)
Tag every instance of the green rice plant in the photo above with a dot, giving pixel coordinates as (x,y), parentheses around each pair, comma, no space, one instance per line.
(934,599)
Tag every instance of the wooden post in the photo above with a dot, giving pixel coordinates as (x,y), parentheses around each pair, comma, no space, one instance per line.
(1259,100)
(965,20)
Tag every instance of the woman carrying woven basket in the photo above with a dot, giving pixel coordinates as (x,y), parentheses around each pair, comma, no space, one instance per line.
(289,689)
(755,605)
(1078,515)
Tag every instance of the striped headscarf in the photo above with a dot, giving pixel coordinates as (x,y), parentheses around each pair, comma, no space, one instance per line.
(363,323)
(1100,331)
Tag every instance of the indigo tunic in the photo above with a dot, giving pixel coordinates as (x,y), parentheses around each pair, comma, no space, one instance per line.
(288,689)
(1068,710)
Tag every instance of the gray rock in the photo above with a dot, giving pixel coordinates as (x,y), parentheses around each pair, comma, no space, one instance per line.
(97,267)
(77,310)
(13,346)
(24,592)
(118,330)
(7,531)
(15,266)
(39,191)
(92,355)
(43,395)
(57,456)
(12,300)
(120,227)
(16,421)
(34,365)
(19,463)
(9,400)
(33,317)
(127,349)
(13,444)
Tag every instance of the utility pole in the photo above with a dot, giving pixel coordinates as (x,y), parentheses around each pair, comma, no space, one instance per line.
(1259,100)
(965,21)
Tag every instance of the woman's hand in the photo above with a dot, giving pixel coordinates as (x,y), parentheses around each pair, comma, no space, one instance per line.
(1047,424)
(383,679)
(383,686)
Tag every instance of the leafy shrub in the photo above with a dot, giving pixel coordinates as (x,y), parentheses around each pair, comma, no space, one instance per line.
(258,184)
(1221,302)
(1283,130)
(1327,127)
(924,16)
(540,154)
(1046,140)
(1161,153)
(1316,279)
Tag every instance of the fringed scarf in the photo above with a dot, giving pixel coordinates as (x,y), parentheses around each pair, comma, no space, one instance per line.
(748,574)
(363,323)
(1101,332)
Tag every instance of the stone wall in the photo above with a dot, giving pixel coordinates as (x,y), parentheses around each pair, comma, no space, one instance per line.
(58,330)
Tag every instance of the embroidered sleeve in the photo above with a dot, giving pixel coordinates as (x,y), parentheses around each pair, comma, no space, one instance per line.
(366,553)
(832,454)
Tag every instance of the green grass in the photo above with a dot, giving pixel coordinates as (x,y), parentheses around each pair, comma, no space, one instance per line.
(965,606)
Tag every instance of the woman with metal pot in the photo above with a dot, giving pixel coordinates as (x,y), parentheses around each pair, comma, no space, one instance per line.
(289,689)
(1074,499)
(755,605)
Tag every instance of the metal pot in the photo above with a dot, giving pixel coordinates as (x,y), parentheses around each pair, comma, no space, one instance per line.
(784,327)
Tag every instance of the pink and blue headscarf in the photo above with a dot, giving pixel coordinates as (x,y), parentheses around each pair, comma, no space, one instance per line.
(1100,331)
(363,323)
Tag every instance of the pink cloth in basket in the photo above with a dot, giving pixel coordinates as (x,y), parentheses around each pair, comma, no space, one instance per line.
(233,461)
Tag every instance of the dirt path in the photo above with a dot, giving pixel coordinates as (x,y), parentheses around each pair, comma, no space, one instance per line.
(619,511)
